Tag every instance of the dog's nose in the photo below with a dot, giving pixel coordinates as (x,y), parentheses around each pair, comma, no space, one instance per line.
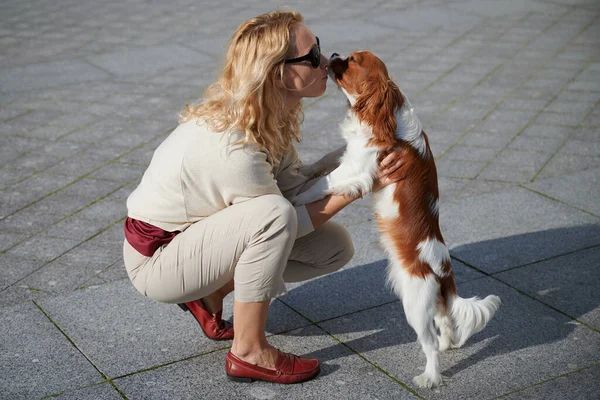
(334,55)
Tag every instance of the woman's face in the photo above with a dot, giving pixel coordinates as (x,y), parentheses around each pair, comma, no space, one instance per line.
(302,79)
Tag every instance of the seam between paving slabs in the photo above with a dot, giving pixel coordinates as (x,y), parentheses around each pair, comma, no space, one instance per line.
(559,201)
(547,380)
(51,396)
(374,365)
(534,298)
(108,380)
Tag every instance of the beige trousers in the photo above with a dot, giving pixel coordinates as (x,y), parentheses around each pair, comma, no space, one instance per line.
(253,242)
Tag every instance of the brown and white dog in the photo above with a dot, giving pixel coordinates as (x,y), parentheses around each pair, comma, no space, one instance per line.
(419,269)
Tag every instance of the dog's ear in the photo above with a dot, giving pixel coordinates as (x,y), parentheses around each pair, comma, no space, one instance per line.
(377,105)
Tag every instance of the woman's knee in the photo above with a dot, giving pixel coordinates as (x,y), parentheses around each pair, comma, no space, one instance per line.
(341,241)
(278,213)
(337,245)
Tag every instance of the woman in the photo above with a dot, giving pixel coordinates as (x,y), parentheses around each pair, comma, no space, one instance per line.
(211,214)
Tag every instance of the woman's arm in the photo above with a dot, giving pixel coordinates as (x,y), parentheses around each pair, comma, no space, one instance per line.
(322,210)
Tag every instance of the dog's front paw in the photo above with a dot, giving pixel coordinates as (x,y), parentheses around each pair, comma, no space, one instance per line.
(426,380)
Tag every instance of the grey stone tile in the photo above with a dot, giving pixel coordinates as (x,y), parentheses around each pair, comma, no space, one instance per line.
(60,204)
(582,384)
(576,108)
(115,272)
(587,134)
(581,189)
(43,248)
(38,360)
(523,158)
(582,147)
(550,118)
(75,228)
(18,294)
(537,144)
(105,210)
(98,131)
(85,162)
(143,62)
(506,121)
(515,345)
(508,173)
(514,103)
(567,163)
(103,391)
(32,162)
(12,269)
(120,172)
(343,375)
(547,131)
(9,176)
(567,283)
(62,276)
(450,187)
(8,240)
(497,140)
(459,169)
(36,76)
(123,332)
(29,222)
(111,237)
(469,153)
(505,229)
(482,186)
(91,189)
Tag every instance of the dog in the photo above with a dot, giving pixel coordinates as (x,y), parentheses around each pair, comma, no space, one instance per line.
(419,269)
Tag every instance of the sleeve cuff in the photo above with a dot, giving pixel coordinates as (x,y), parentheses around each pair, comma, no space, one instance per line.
(305,225)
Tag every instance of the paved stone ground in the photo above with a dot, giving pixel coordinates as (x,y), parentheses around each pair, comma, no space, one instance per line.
(508,91)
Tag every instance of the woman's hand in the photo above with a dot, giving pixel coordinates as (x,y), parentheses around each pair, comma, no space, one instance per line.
(390,170)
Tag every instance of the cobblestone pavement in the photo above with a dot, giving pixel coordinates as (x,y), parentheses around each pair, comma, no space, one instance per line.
(508,91)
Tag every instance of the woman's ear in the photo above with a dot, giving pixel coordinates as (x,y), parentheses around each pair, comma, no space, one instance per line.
(278,79)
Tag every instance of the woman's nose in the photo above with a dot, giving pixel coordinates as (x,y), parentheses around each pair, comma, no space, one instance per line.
(324,61)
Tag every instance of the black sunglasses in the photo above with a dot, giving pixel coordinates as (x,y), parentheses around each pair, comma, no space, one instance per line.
(314,56)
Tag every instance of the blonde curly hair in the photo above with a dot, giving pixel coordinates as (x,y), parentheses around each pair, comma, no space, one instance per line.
(245,97)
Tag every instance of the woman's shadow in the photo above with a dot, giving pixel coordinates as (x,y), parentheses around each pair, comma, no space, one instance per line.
(357,300)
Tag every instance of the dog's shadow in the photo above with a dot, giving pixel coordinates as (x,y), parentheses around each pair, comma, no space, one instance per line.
(357,300)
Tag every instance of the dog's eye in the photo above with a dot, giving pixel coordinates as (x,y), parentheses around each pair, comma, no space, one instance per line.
(351,58)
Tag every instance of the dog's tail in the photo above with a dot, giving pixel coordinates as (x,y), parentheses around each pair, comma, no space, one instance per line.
(469,316)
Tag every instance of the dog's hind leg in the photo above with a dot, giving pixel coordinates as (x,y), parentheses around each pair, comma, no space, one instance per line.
(443,320)
(419,301)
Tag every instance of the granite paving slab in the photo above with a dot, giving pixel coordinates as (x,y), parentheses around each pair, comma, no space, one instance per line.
(35,358)
(567,283)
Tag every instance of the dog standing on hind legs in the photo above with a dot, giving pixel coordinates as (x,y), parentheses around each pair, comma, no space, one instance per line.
(419,269)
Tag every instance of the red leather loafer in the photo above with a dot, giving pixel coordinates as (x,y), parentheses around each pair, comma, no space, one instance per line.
(289,368)
(213,326)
